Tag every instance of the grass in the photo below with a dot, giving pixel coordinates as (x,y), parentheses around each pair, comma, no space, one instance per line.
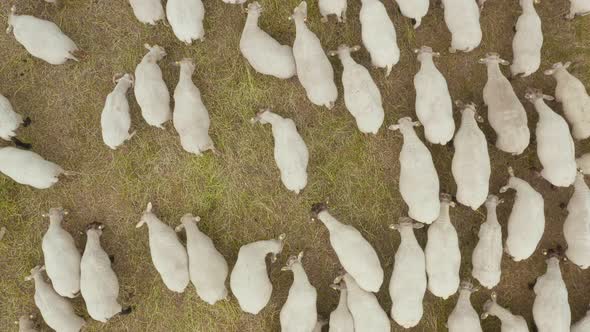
(238,194)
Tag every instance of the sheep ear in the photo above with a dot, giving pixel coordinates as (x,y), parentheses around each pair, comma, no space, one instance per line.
(459,103)
(197,219)
(436,54)
(416,124)
(417,225)
(332,53)
(355,48)
(567,64)
(285,268)
(393,226)
(479,118)
(147,46)
(494,296)
(290,18)
(393,127)
(300,256)
(545,252)
(484,315)
(44,215)
(416,50)
(149,207)
(547,97)
(504,62)
(179,228)
(549,71)
(483,60)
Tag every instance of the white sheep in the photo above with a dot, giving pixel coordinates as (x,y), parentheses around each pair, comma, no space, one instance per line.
(443,257)
(9,119)
(148,11)
(333,7)
(551,310)
(576,228)
(115,120)
(555,145)
(186,19)
(526,223)
(578,7)
(57,312)
(367,314)
(314,70)
(42,39)
(150,90)
(27,167)
(528,41)
(487,255)
(378,35)
(249,280)
(341,319)
(464,318)
(418,179)
(509,321)
(26,324)
(583,325)
(434,107)
(62,258)
(408,279)
(355,253)
(361,95)
(207,267)
(462,19)
(98,282)
(583,163)
(471,166)
(290,152)
(506,114)
(263,52)
(299,312)
(190,117)
(168,254)
(570,91)
(414,9)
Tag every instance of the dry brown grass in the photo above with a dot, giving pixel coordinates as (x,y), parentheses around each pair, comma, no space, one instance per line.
(239,194)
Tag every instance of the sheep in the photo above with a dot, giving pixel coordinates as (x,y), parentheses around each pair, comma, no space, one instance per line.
(434,107)
(361,95)
(98,282)
(26,324)
(42,39)
(462,19)
(526,223)
(583,163)
(168,254)
(528,41)
(249,280)
(471,166)
(408,279)
(150,90)
(290,151)
(299,312)
(414,9)
(115,120)
(443,257)
(367,314)
(148,11)
(578,7)
(341,318)
(570,91)
(29,168)
(333,7)
(10,121)
(418,179)
(207,267)
(464,318)
(190,117)
(56,311)
(266,55)
(487,255)
(583,324)
(62,258)
(555,145)
(355,253)
(506,114)
(510,322)
(378,35)
(551,310)
(313,67)
(576,228)
(186,19)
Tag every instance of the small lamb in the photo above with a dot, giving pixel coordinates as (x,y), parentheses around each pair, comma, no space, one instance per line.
(190,117)
(583,163)
(341,318)
(378,35)
(150,90)
(57,312)
(186,19)
(528,41)
(249,281)
(27,167)
(361,95)
(299,313)
(264,53)
(148,11)
(207,267)
(9,120)
(578,7)
(115,120)
(333,7)
(464,318)
(314,70)
(576,228)
(570,91)
(510,322)
(462,19)
(434,107)
(168,254)
(414,9)
(487,255)
(26,324)
(42,39)
(290,151)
